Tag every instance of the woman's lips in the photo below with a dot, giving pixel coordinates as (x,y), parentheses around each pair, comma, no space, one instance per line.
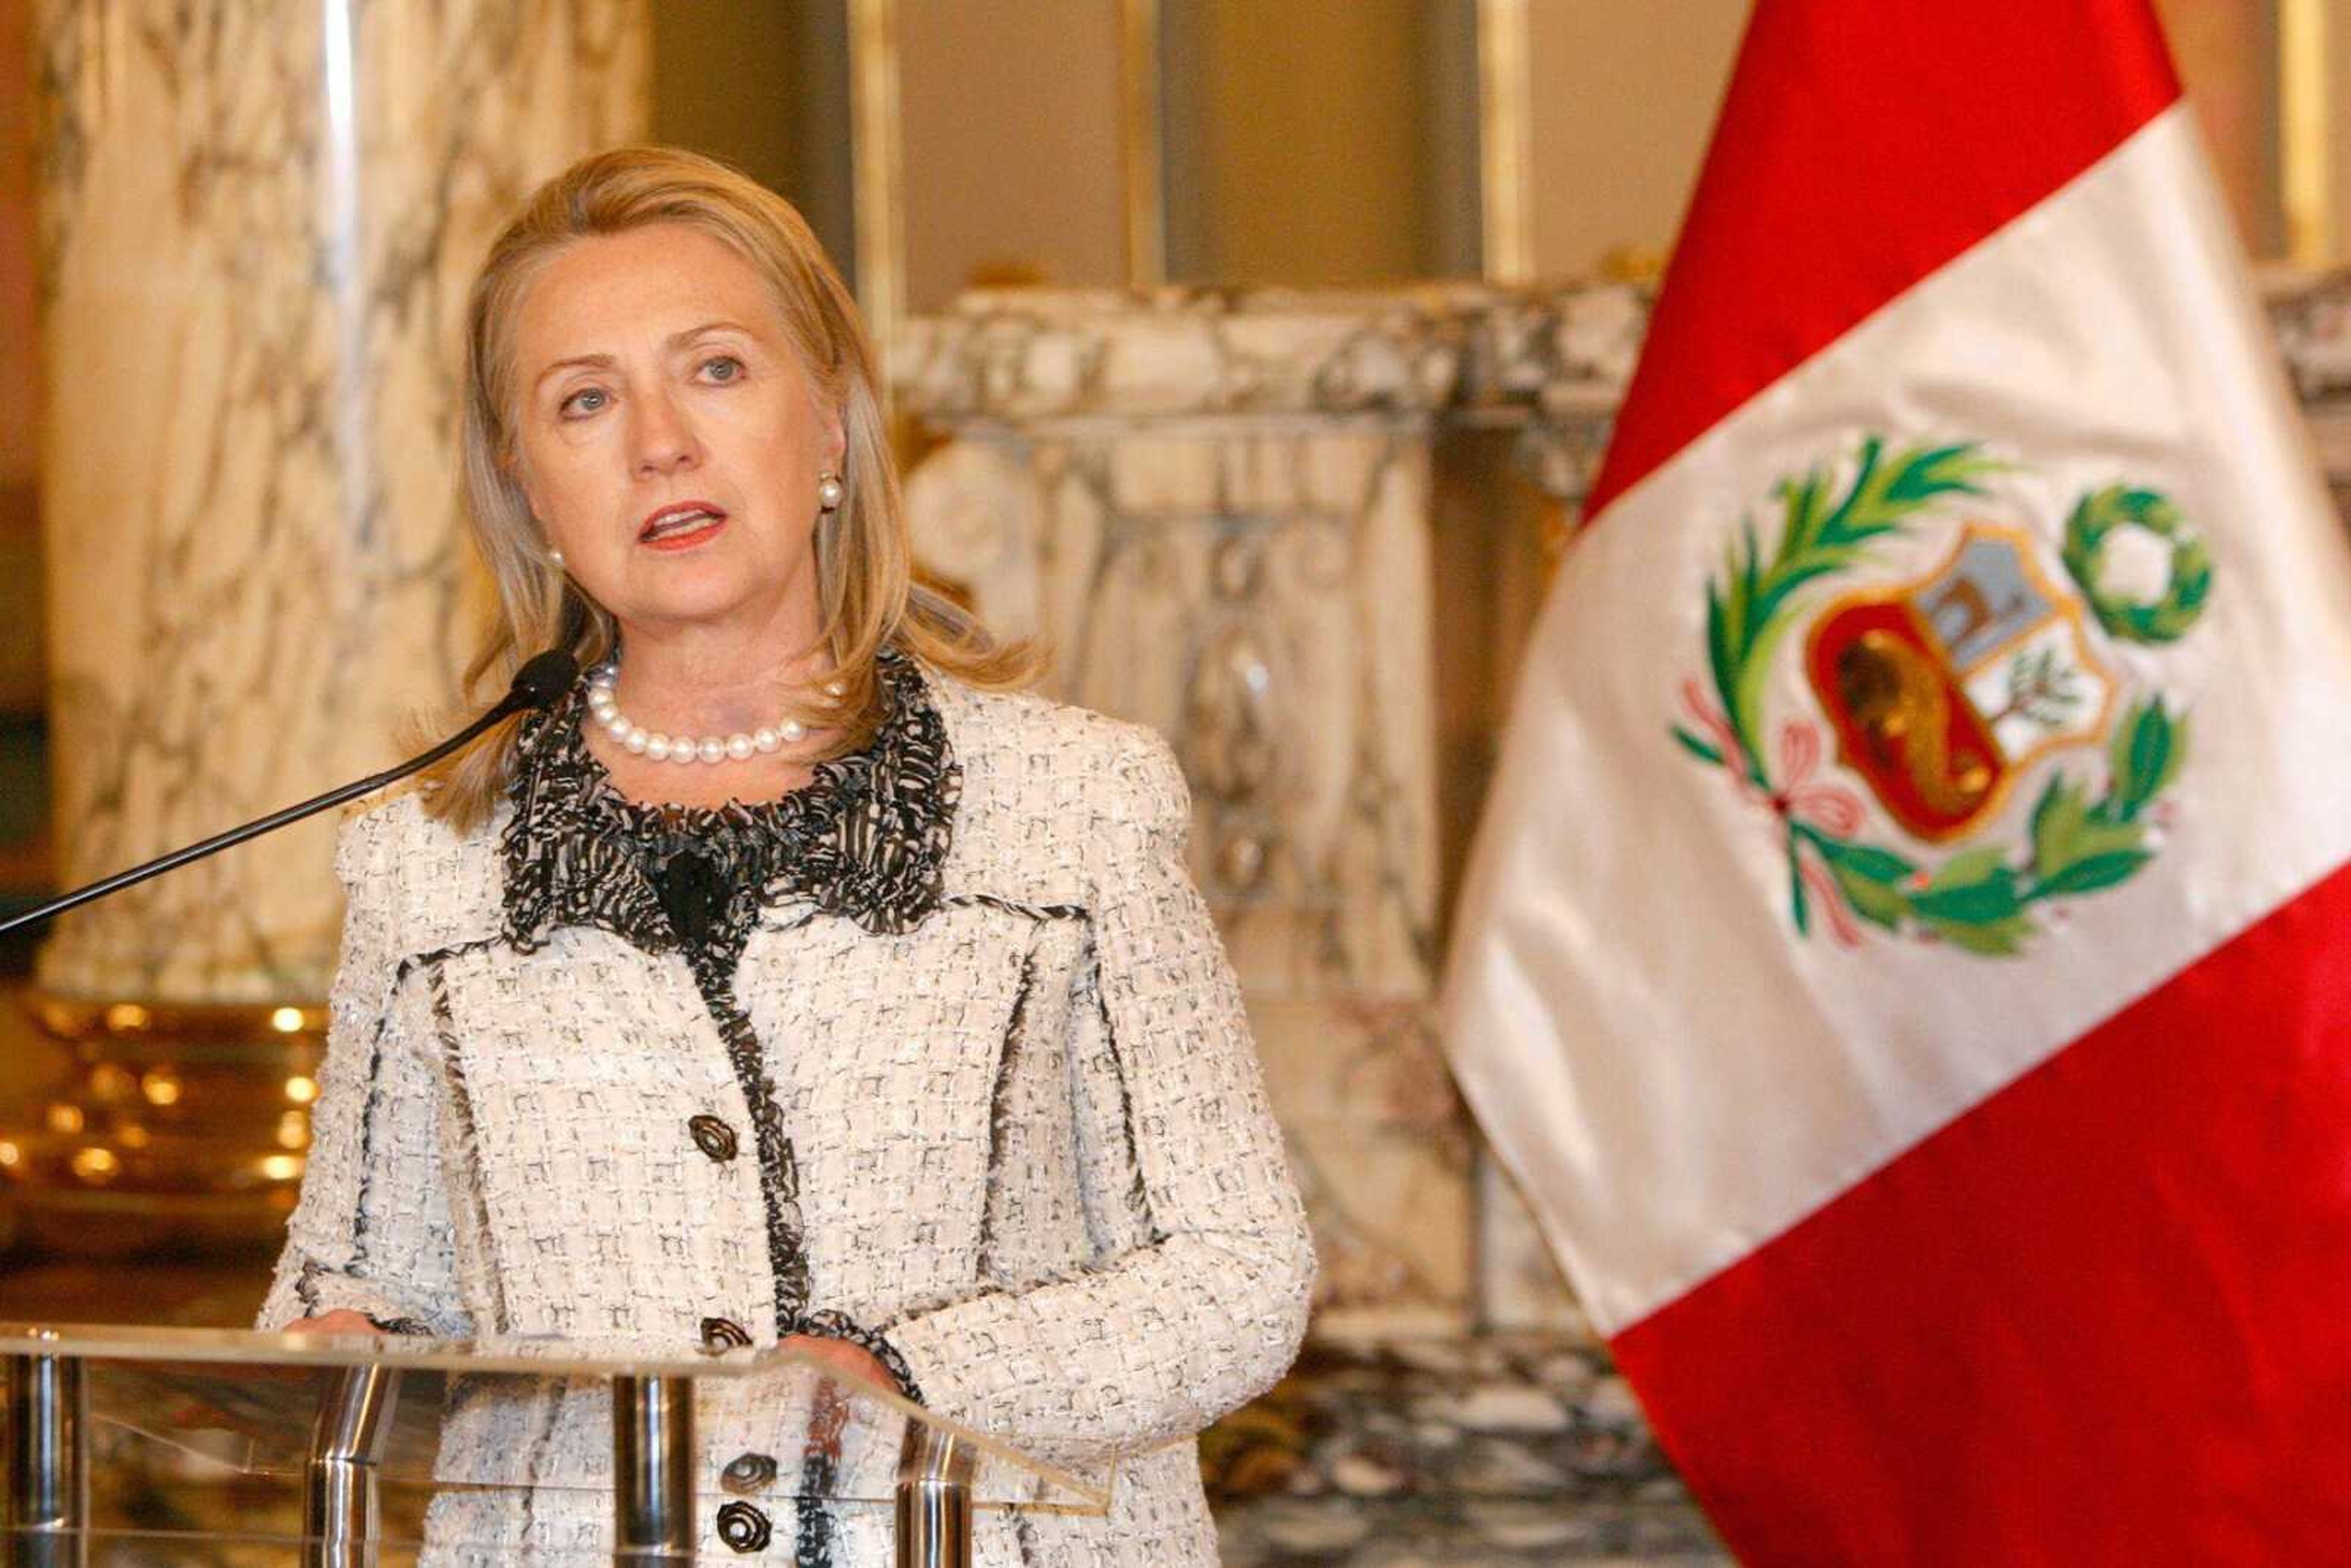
(686,538)
(681,527)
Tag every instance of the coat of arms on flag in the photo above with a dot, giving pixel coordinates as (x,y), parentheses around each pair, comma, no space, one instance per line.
(1944,694)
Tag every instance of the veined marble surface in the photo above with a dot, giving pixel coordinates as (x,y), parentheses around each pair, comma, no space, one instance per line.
(258,227)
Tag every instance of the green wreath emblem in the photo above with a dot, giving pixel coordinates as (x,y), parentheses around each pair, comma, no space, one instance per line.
(1986,899)
(2164,619)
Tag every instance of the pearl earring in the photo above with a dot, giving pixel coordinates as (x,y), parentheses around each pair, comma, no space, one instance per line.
(828,490)
(555,559)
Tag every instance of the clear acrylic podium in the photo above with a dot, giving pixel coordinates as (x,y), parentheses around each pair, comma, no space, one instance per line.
(137,1446)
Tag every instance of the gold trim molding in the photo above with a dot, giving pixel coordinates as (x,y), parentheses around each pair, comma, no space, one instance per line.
(877,168)
(2305,115)
(1506,141)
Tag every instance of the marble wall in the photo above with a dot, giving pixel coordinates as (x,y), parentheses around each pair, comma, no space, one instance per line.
(257,226)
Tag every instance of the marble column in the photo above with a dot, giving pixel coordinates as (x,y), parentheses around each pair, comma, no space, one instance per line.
(258,225)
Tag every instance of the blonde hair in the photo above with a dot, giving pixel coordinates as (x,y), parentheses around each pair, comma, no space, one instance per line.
(869,595)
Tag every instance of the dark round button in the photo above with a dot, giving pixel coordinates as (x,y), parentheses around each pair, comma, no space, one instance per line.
(746,1475)
(724,1334)
(711,1136)
(743,1527)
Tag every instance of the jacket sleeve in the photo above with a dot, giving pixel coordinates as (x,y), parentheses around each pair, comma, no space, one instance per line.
(1206,1308)
(371,1231)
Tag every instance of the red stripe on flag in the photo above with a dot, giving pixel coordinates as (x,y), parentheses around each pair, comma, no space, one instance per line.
(1861,146)
(2103,1317)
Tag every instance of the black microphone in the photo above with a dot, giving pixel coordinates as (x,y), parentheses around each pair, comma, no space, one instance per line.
(542,679)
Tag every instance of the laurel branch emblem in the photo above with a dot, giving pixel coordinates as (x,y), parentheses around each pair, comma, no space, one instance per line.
(1942,695)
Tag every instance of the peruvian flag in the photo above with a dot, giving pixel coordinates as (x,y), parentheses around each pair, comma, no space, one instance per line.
(1907,962)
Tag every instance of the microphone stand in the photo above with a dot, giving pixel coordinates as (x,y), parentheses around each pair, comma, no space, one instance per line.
(537,683)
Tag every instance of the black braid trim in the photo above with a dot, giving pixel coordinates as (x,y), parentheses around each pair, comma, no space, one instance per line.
(867,838)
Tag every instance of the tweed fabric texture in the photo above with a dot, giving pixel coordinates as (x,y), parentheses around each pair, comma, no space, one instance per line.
(1031,1145)
(865,839)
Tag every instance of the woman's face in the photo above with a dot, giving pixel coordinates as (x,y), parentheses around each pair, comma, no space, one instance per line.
(668,440)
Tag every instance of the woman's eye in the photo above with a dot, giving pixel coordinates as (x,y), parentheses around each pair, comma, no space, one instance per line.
(725,368)
(586,400)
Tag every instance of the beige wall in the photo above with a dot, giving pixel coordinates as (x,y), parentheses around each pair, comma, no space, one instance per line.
(1334,142)
(1013,162)
(1304,139)
(1632,89)
(1623,101)
(765,86)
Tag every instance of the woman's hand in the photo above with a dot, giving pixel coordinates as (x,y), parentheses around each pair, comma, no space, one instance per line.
(843,1359)
(829,1407)
(342,1320)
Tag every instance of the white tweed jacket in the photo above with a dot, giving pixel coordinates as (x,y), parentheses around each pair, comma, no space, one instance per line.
(974,1087)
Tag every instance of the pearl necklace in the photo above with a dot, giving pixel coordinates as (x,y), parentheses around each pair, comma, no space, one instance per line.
(639,741)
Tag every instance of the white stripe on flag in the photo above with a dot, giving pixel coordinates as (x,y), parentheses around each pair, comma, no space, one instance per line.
(1728,1077)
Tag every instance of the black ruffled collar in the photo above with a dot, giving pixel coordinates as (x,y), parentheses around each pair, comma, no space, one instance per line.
(866,839)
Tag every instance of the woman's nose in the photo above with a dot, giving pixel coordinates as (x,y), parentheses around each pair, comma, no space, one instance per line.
(663,440)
